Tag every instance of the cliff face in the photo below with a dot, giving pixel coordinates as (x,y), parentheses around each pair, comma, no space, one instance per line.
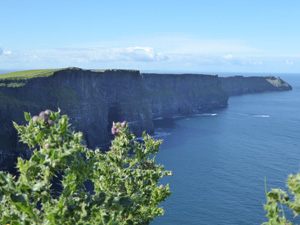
(238,85)
(94,99)
(183,94)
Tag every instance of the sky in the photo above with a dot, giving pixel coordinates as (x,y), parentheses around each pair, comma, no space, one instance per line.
(158,35)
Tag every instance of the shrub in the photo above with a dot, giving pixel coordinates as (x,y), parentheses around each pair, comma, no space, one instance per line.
(278,198)
(126,189)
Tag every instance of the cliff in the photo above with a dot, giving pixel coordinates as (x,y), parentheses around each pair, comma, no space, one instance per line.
(182,94)
(94,99)
(238,85)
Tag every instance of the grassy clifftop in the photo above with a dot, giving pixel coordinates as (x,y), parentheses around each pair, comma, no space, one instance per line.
(18,79)
(27,74)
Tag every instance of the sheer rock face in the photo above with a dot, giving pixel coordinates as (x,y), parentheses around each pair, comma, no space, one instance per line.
(94,99)
(238,85)
(183,94)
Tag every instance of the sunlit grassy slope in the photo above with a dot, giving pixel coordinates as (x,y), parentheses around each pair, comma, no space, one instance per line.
(27,74)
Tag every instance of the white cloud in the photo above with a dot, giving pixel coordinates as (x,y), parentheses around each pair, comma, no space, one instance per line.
(290,63)
(138,52)
(144,54)
(88,57)
(183,44)
(228,57)
(257,63)
(6,52)
(3,52)
(128,54)
(157,53)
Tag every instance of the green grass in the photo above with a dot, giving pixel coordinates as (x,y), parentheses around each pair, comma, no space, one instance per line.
(12,80)
(27,74)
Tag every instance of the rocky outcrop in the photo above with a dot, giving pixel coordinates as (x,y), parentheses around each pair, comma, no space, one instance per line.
(94,99)
(238,85)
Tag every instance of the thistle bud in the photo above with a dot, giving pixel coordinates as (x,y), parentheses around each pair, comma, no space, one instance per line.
(47,146)
(113,130)
(48,112)
(35,119)
(50,122)
(123,124)
(43,116)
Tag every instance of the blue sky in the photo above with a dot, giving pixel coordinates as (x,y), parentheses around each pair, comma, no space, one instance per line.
(190,35)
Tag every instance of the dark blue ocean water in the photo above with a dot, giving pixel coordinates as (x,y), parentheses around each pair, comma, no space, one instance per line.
(220,160)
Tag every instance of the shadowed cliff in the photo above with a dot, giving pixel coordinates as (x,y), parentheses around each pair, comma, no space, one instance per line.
(238,85)
(94,99)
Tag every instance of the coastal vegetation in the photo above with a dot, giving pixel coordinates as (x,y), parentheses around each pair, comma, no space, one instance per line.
(18,79)
(125,179)
(27,74)
(277,199)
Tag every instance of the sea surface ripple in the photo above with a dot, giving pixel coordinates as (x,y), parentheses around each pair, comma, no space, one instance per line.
(220,162)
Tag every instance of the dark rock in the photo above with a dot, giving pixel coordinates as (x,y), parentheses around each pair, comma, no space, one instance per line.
(238,85)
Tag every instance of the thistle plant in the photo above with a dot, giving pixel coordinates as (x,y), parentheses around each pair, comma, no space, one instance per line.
(277,198)
(125,179)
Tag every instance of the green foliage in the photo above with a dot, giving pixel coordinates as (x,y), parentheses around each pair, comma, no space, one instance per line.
(126,187)
(27,74)
(276,198)
(16,84)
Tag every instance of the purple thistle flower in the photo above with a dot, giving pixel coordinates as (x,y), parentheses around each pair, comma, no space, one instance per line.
(50,122)
(43,116)
(48,112)
(35,119)
(113,130)
(123,124)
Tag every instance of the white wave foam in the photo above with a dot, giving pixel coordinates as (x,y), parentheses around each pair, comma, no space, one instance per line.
(158,134)
(262,116)
(161,135)
(177,116)
(207,114)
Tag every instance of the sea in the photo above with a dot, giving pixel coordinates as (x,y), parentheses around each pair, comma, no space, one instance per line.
(222,161)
